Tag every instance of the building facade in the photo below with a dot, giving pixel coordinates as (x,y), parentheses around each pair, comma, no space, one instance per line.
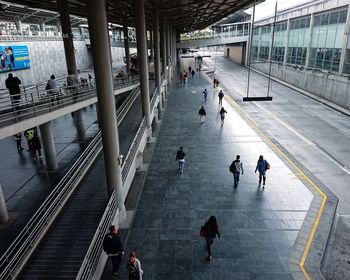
(308,47)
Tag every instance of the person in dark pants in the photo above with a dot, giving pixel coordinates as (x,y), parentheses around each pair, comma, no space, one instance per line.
(221,96)
(180,156)
(211,230)
(222,113)
(112,245)
(236,168)
(12,84)
(262,166)
(29,134)
(18,138)
(36,146)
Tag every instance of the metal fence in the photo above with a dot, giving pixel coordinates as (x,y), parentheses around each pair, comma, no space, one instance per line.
(94,252)
(37,100)
(21,248)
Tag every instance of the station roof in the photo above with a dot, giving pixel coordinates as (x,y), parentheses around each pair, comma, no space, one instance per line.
(184,15)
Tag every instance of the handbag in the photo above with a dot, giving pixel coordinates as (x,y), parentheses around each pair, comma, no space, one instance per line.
(202,232)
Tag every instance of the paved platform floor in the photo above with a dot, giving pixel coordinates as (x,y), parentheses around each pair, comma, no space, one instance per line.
(26,184)
(258,226)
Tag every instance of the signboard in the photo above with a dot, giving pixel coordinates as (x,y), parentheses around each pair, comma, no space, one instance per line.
(14,58)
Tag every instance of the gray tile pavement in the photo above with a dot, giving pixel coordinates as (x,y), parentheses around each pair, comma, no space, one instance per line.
(258,226)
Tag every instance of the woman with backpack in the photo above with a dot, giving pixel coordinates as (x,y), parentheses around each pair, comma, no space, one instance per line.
(262,166)
(134,267)
(211,230)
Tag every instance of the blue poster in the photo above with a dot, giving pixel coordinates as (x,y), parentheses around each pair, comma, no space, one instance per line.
(14,58)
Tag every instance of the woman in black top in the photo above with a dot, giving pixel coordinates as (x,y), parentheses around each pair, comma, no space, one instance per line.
(211,231)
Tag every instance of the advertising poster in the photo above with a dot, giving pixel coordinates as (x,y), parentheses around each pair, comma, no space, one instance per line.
(14,58)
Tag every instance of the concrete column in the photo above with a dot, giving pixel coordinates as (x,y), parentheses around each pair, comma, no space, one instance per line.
(48,146)
(167,44)
(157,56)
(163,47)
(126,46)
(69,51)
(151,40)
(79,124)
(345,43)
(286,41)
(309,38)
(18,24)
(101,54)
(142,57)
(3,211)
(42,26)
(259,42)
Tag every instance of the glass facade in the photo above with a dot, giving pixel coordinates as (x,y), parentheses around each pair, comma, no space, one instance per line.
(327,38)
(323,39)
(297,40)
(264,42)
(279,42)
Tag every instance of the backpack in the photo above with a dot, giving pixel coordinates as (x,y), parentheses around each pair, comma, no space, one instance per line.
(132,270)
(267,165)
(232,167)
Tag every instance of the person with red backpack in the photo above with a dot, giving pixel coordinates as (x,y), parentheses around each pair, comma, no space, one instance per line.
(210,230)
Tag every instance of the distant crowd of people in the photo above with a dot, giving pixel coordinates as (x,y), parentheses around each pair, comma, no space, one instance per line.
(53,89)
(33,142)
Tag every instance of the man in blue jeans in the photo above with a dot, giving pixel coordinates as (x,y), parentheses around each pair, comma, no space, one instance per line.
(180,156)
(236,168)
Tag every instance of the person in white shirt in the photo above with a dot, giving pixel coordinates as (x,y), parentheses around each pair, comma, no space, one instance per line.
(53,90)
(134,267)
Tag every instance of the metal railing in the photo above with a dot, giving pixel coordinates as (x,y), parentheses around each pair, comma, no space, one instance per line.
(36,100)
(93,254)
(19,251)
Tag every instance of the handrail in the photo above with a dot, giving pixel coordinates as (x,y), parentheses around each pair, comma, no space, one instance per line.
(16,255)
(92,255)
(37,101)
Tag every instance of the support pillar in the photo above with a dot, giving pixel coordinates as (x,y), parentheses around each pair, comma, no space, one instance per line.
(163,46)
(157,56)
(42,26)
(18,24)
(101,54)
(142,58)
(48,146)
(126,46)
(151,38)
(3,211)
(79,124)
(69,51)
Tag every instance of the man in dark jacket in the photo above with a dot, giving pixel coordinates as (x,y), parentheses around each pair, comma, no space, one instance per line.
(112,245)
(180,156)
(12,84)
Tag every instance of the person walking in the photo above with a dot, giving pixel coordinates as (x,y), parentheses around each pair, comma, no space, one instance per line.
(181,77)
(180,157)
(12,84)
(18,138)
(262,166)
(134,267)
(189,69)
(192,73)
(221,96)
(222,115)
(236,168)
(72,83)
(214,82)
(29,135)
(202,114)
(217,82)
(36,146)
(112,245)
(205,94)
(53,90)
(211,230)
